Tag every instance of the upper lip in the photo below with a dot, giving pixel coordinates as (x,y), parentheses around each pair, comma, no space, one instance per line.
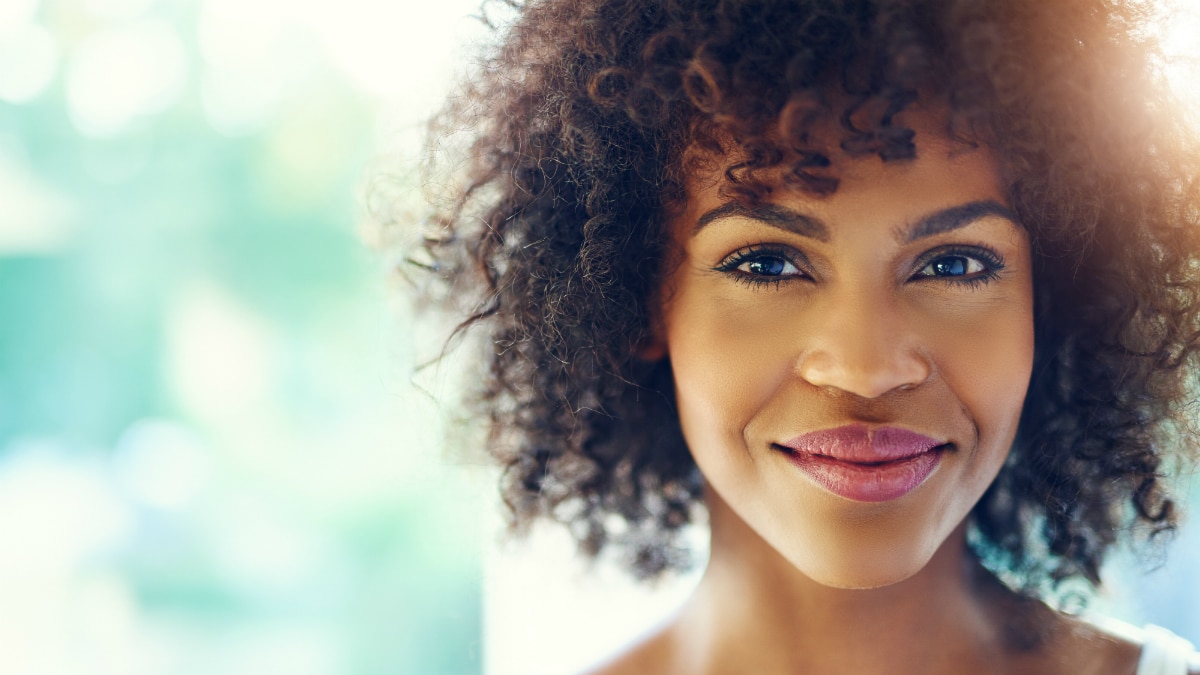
(862,444)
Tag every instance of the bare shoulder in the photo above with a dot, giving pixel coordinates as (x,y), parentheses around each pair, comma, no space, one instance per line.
(1082,647)
(1118,646)
(1113,650)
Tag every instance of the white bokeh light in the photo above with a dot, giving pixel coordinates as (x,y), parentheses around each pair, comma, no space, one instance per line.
(117,75)
(36,218)
(118,10)
(247,67)
(17,13)
(396,50)
(220,356)
(28,59)
(58,514)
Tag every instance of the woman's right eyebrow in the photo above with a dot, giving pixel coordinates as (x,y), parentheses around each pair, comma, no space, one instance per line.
(768,214)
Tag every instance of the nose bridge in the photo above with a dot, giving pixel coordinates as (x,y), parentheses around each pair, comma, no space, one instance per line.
(864,342)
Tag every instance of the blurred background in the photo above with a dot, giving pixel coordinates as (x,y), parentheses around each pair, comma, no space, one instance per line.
(211,460)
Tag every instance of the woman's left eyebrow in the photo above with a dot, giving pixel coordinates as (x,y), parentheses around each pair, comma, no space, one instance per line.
(954,218)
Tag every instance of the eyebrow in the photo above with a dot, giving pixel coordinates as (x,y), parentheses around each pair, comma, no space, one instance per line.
(768,214)
(954,218)
(795,222)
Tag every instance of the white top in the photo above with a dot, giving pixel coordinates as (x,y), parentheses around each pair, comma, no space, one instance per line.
(1165,653)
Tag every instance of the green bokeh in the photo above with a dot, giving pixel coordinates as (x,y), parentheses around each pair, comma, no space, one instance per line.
(372,570)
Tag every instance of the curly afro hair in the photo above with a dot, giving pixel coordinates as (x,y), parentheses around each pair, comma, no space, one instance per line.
(584,121)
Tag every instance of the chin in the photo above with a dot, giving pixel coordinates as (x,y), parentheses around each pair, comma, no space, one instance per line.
(863,567)
(864,580)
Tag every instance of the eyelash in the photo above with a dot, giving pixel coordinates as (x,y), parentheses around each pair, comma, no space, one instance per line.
(749,254)
(991,261)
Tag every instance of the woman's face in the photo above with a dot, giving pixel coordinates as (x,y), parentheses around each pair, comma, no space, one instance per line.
(894,317)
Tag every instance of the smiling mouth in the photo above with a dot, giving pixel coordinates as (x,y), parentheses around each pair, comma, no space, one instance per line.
(867,464)
(868,481)
(863,463)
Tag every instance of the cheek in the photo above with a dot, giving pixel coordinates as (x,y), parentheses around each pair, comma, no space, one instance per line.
(728,361)
(992,355)
(985,357)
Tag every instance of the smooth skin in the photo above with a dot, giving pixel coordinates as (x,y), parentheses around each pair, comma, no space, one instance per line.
(904,299)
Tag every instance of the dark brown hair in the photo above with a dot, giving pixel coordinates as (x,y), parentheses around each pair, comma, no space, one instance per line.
(588,115)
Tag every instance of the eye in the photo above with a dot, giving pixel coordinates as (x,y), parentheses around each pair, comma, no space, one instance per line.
(761,265)
(953,266)
(768,266)
(969,265)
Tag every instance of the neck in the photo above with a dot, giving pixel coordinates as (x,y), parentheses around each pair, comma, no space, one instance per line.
(755,612)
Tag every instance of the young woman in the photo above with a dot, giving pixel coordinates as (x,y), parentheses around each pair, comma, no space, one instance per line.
(900,297)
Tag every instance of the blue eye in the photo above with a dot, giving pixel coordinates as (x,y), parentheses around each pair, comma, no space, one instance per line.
(768,266)
(953,266)
(962,266)
(761,265)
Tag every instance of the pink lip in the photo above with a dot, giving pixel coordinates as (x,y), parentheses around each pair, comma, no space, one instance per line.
(864,464)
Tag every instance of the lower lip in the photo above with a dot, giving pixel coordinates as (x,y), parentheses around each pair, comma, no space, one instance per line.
(881,482)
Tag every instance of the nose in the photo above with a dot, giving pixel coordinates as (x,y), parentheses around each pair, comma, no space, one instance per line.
(863,347)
